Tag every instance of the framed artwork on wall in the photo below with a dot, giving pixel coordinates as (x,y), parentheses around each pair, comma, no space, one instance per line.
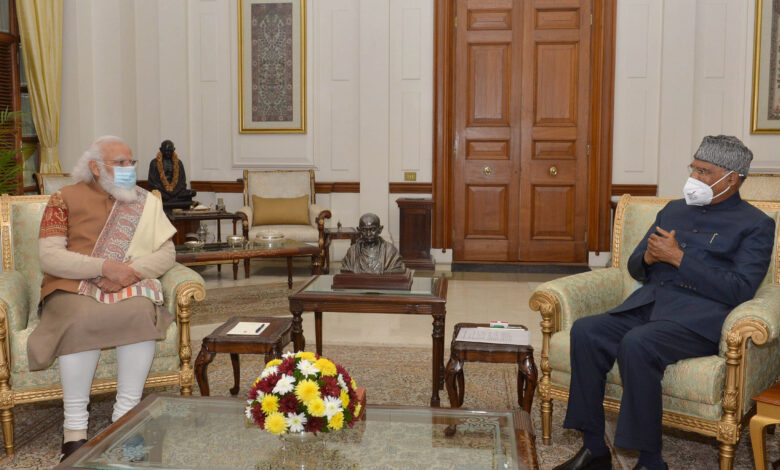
(272,66)
(765,118)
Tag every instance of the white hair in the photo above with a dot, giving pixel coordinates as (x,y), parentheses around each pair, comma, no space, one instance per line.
(81,171)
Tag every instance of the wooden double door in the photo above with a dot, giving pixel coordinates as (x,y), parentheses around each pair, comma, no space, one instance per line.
(520,125)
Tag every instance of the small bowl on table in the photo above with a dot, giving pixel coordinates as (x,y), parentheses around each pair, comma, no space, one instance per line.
(194,244)
(269,239)
(235,241)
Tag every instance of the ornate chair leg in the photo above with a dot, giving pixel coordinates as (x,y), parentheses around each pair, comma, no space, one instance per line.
(7,418)
(726,456)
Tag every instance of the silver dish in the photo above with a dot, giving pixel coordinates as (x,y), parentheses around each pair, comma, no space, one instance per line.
(235,241)
(194,244)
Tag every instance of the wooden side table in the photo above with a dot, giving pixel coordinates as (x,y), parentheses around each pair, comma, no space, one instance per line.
(415,238)
(270,342)
(462,351)
(767,412)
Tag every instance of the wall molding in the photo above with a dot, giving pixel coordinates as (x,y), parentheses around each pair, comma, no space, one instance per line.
(325,187)
(320,187)
(411,188)
(635,189)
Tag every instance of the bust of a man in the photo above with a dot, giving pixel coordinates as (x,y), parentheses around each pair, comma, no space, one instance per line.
(166,174)
(371,254)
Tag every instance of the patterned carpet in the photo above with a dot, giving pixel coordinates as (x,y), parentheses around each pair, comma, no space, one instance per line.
(392,375)
(223,303)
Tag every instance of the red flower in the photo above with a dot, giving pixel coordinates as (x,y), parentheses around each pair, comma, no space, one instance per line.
(314,424)
(341,370)
(253,392)
(259,417)
(330,387)
(267,384)
(289,404)
(287,366)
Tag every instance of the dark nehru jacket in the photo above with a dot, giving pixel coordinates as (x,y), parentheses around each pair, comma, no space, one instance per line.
(727,250)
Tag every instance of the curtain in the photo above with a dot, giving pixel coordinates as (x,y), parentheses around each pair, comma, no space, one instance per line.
(40,27)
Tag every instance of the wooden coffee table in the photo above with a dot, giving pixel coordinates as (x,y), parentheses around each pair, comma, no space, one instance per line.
(214,253)
(270,342)
(427,296)
(463,351)
(767,413)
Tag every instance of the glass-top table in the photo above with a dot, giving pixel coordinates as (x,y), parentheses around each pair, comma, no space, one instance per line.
(212,433)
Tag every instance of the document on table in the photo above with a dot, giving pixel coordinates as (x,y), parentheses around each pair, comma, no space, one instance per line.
(495,335)
(248,328)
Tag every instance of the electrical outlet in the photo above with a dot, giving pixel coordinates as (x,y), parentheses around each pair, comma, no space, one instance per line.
(410,176)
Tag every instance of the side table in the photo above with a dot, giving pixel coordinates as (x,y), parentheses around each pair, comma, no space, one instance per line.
(463,351)
(270,342)
(342,233)
(767,413)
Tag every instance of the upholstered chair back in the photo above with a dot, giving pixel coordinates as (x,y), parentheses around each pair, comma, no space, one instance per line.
(278,184)
(20,225)
(761,187)
(50,183)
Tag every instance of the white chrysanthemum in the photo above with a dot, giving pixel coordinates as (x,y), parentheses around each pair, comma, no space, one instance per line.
(285,385)
(288,354)
(269,371)
(332,406)
(307,368)
(295,422)
(248,410)
(342,383)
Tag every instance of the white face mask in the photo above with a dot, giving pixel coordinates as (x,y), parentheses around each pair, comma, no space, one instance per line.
(697,193)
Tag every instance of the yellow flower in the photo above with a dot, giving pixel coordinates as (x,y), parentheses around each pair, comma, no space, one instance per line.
(307,390)
(357,410)
(270,404)
(328,368)
(344,396)
(275,423)
(273,362)
(307,355)
(316,407)
(353,384)
(336,421)
(257,381)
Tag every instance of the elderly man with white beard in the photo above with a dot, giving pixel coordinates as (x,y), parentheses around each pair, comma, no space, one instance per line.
(102,245)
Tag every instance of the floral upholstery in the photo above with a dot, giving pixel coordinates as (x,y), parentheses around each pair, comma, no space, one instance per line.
(282,184)
(19,295)
(692,387)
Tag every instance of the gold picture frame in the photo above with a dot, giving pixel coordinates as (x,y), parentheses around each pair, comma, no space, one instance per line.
(272,66)
(765,116)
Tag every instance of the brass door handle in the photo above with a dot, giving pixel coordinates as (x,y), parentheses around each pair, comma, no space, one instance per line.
(553,170)
(487,171)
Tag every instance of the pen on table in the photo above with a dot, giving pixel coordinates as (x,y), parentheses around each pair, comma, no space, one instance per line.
(258,329)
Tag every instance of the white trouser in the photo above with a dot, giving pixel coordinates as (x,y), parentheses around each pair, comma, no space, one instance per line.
(78,369)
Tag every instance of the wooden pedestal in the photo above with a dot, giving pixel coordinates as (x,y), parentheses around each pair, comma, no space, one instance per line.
(415,239)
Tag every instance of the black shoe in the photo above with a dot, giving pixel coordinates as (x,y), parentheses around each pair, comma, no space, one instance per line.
(642,467)
(70,447)
(583,460)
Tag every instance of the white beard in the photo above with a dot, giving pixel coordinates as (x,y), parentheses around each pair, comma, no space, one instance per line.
(120,194)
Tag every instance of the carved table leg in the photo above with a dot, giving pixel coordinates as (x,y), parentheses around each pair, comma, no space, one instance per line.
(246,268)
(453,378)
(299,342)
(437,365)
(235,269)
(318,331)
(526,381)
(201,365)
(236,373)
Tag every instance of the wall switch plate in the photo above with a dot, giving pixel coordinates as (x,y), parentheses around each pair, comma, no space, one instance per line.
(410,176)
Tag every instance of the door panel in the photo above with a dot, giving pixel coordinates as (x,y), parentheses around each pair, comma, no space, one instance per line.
(521,90)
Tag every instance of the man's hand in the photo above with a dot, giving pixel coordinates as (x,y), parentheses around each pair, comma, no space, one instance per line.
(662,246)
(108,286)
(120,273)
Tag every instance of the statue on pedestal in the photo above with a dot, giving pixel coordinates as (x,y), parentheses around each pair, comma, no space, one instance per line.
(371,254)
(166,174)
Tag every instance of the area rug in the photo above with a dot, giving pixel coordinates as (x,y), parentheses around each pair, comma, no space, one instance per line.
(261,299)
(392,375)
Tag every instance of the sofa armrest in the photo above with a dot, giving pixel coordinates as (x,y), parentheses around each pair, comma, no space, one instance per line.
(757,318)
(14,299)
(572,297)
(315,210)
(249,214)
(174,280)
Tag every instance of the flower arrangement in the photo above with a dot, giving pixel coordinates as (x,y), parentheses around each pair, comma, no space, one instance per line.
(303,392)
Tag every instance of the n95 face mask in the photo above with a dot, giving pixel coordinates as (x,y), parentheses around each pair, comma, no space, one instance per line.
(698,193)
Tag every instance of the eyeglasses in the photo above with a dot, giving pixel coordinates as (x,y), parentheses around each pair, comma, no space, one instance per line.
(122,162)
(700,171)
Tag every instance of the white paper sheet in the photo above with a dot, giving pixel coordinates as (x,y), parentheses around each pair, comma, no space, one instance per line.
(495,336)
(248,328)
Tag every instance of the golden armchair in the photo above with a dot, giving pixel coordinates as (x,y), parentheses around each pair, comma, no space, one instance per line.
(20,282)
(707,395)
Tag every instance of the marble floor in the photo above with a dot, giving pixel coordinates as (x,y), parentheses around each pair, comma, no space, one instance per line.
(472,297)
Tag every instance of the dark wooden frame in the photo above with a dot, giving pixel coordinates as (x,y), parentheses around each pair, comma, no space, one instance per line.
(601,122)
(351,302)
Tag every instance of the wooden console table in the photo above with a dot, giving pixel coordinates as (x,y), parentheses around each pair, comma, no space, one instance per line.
(415,237)
(189,222)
